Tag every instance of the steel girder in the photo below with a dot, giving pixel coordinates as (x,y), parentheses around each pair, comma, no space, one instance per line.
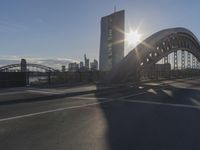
(151,50)
(47,69)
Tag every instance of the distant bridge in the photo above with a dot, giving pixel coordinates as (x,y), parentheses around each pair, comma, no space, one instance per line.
(9,68)
(155,48)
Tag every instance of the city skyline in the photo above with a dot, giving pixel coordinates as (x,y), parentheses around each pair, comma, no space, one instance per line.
(55,63)
(49,30)
(99,74)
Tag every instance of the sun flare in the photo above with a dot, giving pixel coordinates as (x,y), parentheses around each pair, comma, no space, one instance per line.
(133,38)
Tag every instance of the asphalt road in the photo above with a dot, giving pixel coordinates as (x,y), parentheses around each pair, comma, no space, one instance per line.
(163,116)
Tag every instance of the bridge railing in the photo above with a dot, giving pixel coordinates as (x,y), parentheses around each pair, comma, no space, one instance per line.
(58,78)
(171,74)
(13,79)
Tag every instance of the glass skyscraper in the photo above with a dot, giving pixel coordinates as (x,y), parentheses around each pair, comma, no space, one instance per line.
(112,40)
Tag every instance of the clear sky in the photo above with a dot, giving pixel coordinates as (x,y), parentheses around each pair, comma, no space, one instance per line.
(70,28)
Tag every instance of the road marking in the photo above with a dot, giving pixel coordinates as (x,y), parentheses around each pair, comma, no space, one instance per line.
(127,96)
(159,103)
(89,98)
(11,93)
(65,108)
(45,92)
(30,91)
(168,92)
(53,110)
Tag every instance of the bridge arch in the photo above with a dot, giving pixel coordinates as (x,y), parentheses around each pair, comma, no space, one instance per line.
(152,49)
(11,66)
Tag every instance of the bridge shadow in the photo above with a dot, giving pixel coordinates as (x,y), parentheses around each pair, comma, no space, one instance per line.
(164,118)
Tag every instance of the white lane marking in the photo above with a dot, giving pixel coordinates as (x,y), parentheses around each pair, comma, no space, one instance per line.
(152,91)
(30,91)
(168,92)
(89,98)
(53,110)
(44,92)
(127,96)
(11,93)
(159,103)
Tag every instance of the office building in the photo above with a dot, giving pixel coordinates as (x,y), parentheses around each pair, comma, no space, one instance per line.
(23,65)
(87,63)
(73,67)
(112,40)
(94,65)
(63,68)
(81,65)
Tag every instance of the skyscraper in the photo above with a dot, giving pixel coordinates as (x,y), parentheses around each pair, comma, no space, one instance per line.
(112,40)
(23,65)
(87,63)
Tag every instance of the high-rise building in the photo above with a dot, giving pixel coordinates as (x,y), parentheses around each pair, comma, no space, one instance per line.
(94,65)
(23,65)
(63,68)
(87,63)
(73,67)
(112,40)
(81,65)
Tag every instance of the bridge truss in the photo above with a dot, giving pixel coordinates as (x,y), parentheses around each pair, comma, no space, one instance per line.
(30,68)
(178,43)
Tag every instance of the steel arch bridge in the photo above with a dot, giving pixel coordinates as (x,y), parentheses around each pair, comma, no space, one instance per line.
(42,67)
(151,50)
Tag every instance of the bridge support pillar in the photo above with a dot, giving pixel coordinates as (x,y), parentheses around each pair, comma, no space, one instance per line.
(166,59)
(188,60)
(175,60)
(182,59)
(193,61)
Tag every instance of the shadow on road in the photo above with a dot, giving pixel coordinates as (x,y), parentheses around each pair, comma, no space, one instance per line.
(164,118)
(142,126)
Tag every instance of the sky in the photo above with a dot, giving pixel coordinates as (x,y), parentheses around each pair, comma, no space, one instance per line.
(66,29)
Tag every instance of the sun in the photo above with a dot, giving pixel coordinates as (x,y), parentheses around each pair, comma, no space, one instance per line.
(133,38)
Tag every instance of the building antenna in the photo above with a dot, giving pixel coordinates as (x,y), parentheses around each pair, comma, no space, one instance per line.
(114,2)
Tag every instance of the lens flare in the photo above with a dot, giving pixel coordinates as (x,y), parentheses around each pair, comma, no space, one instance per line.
(133,38)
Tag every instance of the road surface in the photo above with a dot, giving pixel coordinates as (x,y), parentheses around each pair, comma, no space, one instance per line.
(163,115)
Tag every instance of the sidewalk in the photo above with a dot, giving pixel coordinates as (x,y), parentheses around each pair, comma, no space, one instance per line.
(29,94)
